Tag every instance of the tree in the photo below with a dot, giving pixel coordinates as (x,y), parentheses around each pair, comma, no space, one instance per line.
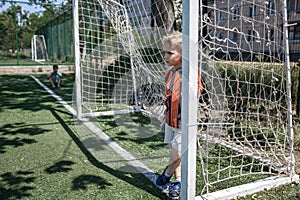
(167,14)
(25,24)
(9,28)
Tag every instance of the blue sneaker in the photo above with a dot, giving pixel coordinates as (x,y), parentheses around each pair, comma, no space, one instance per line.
(174,190)
(163,179)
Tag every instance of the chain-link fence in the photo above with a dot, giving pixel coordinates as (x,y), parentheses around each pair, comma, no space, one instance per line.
(59,38)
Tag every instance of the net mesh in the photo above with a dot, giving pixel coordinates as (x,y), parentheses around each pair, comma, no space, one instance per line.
(39,50)
(243,128)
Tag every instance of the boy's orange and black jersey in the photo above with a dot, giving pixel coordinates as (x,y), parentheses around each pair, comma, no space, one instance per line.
(173,96)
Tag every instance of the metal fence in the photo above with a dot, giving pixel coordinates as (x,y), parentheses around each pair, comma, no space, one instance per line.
(59,38)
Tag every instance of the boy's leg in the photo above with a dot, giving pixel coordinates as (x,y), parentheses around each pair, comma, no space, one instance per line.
(165,177)
(175,154)
(174,166)
(52,82)
(59,82)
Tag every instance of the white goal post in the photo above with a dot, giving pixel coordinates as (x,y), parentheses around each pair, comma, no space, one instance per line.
(38,48)
(238,133)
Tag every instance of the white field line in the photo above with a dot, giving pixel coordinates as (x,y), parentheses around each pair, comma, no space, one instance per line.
(248,189)
(220,195)
(122,152)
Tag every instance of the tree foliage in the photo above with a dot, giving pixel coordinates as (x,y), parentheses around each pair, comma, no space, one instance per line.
(18,25)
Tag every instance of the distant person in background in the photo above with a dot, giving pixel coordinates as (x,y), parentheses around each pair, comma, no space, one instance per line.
(55,77)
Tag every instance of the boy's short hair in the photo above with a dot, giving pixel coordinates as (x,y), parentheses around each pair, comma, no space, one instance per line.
(55,66)
(175,40)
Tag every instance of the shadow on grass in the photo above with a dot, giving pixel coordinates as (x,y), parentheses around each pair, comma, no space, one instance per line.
(13,185)
(81,182)
(128,131)
(15,142)
(22,92)
(15,94)
(18,130)
(21,128)
(136,179)
(61,166)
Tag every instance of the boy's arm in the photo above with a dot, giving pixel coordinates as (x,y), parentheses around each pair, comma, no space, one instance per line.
(50,75)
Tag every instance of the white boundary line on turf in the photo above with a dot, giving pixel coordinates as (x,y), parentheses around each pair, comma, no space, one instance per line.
(248,189)
(60,100)
(128,156)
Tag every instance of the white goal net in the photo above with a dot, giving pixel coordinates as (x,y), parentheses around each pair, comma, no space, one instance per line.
(38,48)
(244,125)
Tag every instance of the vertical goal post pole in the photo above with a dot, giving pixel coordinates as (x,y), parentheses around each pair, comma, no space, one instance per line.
(288,89)
(189,97)
(77,59)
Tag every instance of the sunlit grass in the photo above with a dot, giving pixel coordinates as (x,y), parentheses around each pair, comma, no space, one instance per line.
(56,160)
(41,156)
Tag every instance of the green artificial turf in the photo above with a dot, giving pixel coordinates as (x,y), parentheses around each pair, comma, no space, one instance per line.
(41,156)
(45,153)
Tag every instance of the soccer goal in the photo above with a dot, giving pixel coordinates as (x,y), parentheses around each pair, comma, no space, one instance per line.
(241,124)
(38,48)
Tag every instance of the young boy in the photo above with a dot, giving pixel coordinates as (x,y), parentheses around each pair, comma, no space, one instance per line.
(172,46)
(55,77)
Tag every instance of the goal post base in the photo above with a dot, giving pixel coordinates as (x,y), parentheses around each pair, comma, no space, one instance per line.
(107,113)
(250,188)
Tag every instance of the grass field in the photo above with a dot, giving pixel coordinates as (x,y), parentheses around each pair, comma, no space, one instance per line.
(10,61)
(41,157)
(46,154)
